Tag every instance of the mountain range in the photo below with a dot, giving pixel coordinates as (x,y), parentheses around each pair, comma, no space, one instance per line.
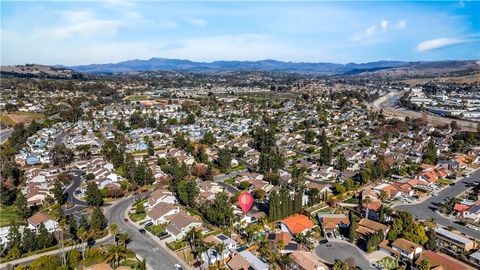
(155,64)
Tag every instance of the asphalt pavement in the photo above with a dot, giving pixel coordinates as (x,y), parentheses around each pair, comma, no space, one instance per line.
(156,256)
(5,134)
(70,191)
(336,249)
(426,209)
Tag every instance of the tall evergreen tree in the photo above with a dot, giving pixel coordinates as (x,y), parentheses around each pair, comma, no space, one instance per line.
(83,224)
(29,240)
(21,205)
(93,195)
(298,201)
(14,237)
(72,226)
(97,221)
(58,193)
(44,239)
(274,208)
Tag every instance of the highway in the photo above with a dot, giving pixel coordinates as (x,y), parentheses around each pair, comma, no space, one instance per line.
(426,209)
(156,255)
(5,134)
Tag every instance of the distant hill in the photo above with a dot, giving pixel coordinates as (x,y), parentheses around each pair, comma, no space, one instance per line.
(39,71)
(154,64)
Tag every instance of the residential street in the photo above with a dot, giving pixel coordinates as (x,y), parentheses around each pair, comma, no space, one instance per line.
(425,211)
(76,182)
(157,256)
(336,249)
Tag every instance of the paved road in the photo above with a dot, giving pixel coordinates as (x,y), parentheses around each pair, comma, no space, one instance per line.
(5,134)
(77,181)
(425,210)
(157,256)
(25,261)
(388,104)
(222,177)
(342,250)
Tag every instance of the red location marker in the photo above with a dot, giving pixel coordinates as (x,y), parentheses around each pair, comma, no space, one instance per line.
(246,201)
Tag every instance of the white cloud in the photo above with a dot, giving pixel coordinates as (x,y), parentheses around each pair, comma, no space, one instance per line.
(438,43)
(377,32)
(384,25)
(80,23)
(369,32)
(401,24)
(196,21)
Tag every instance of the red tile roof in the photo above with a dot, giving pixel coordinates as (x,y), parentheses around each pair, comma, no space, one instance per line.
(298,223)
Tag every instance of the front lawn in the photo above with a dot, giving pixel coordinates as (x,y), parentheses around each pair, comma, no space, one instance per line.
(137,217)
(236,169)
(155,229)
(177,245)
(8,215)
(445,181)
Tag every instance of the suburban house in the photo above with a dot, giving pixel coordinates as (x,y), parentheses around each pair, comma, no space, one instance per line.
(283,242)
(454,241)
(211,256)
(160,195)
(246,260)
(39,218)
(473,213)
(296,224)
(401,248)
(180,223)
(367,227)
(439,260)
(304,260)
(161,211)
(332,223)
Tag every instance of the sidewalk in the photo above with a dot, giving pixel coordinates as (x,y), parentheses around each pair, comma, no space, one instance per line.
(28,259)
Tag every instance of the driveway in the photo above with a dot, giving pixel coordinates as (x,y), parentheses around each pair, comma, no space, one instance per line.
(336,249)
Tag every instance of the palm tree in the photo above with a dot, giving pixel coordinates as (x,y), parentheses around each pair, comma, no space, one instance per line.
(196,243)
(340,265)
(115,254)
(123,239)
(219,249)
(113,229)
(59,216)
(83,235)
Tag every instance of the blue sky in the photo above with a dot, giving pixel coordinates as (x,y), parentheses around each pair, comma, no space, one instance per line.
(84,32)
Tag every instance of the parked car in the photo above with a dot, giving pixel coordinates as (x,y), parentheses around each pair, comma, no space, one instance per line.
(323,241)
(162,234)
(148,224)
(126,219)
(142,231)
(177,267)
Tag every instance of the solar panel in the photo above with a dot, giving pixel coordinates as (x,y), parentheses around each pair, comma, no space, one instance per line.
(222,237)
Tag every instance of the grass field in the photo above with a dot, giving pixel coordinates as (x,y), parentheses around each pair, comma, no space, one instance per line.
(8,215)
(137,98)
(6,120)
(11,119)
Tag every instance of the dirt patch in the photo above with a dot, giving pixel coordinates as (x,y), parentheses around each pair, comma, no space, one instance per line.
(17,118)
